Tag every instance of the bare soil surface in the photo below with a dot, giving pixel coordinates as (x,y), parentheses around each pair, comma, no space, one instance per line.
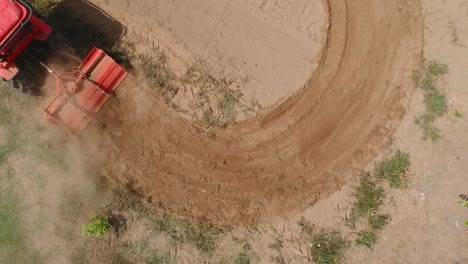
(288,157)
(359,105)
(267,49)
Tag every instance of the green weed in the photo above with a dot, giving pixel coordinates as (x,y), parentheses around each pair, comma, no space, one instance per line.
(328,247)
(392,169)
(458,114)
(368,197)
(306,226)
(201,235)
(127,200)
(159,259)
(378,221)
(98,228)
(244,257)
(366,238)
(119,259)
(159,75)
(43,7)
(434,99)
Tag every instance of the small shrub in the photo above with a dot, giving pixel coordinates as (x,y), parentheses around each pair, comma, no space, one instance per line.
(98,228)
(366,238)
(328,247)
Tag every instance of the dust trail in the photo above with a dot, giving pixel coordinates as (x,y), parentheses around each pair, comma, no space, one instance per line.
(53,186)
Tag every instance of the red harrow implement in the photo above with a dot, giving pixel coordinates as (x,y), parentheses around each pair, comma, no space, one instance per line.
(79,94)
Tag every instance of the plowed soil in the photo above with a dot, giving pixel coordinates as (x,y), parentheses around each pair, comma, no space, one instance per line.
(288,157)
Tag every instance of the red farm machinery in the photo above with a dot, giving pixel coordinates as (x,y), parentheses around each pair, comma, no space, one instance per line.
(79,94)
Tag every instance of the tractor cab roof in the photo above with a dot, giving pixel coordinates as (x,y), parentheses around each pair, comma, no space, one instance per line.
(12,16)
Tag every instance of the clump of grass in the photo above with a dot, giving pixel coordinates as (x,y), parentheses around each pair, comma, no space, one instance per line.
(434,99)
(219,103)
(366,238)
(278,245)
(378,221)
(127,200)
(201,235)
(278,259)
(458,114)
(159,75)
(392,169)
(119,259)
(464,203)
(98,228)
(306,226)
(159,259)
(226,108)
(368,198)
(171,227)
(244,257)
(43,7)
(328,247)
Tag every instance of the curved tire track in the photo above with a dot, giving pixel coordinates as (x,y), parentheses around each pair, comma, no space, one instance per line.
(284,160)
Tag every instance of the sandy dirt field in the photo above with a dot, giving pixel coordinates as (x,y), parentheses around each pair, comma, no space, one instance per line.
(342,98)
(290,156)
(266,48)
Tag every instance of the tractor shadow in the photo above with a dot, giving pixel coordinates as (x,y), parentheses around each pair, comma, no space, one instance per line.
(78,26)
(84,26)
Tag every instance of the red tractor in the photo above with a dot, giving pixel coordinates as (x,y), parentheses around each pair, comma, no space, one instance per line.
(79,94)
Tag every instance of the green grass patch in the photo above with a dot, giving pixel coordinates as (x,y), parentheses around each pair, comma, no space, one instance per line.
(12,233)
(98,228)
(368,197)
(458,114)
(366,238)
(201,235)
(393,169)
(328,247)
(242,258)
(246,256)
(434,99)
(158,74)
(120,259)
(126,200)
(14,245)
(159,259)
(378,221)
